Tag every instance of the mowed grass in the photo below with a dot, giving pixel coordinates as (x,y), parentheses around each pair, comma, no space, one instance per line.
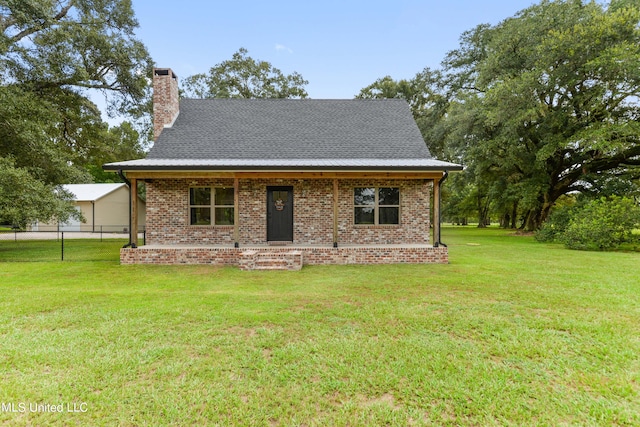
(511,332)
(25,248)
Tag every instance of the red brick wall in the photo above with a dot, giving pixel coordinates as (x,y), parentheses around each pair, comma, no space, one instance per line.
(166,102)
(312,210)
(414,214)
(168,213)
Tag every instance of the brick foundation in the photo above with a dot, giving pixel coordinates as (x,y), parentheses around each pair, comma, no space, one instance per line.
(316,255)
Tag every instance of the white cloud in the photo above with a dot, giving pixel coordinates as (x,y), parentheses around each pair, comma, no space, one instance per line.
(281,47)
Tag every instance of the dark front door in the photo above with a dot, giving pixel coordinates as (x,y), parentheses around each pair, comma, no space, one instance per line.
(280,214)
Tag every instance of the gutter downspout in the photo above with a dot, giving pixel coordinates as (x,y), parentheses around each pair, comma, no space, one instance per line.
(439,219)
(126,181)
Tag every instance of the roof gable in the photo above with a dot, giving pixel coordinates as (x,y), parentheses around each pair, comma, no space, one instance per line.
(285,129)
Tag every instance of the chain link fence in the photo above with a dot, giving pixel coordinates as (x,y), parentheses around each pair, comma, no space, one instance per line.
(57,245)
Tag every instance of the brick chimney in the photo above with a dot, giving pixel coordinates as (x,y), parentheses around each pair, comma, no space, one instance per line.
(166,102)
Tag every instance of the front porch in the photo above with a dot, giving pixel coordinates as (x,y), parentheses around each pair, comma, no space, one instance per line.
(290,257)
(322,220)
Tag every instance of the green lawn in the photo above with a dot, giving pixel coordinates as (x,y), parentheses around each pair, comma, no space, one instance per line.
(26,249)
(512,332)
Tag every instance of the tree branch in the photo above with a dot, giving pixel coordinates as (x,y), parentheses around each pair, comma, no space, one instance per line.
(31,30)
(63,12)
(628,157)
(71,82)
(472,88)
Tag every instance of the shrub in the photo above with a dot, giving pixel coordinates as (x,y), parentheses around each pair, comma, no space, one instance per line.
(556,224)
(601,224)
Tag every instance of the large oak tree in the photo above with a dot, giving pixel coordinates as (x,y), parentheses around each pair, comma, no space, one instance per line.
(53,55)
(546,102)
(540,105)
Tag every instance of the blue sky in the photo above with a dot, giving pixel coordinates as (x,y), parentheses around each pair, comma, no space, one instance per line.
(339,46)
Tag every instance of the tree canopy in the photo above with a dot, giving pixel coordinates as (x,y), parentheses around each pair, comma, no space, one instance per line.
(24,199)
(53,55)
(543,104)
(548,100)
(67,45)
(245,77)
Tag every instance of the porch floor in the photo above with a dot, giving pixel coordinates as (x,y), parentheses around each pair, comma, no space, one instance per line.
(290,246)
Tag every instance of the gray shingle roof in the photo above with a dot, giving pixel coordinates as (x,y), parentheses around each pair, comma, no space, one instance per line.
(304,133)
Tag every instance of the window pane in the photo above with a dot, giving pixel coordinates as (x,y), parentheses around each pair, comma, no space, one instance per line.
(224,196)
(199,196)
(224,216)
(281,195)
(364,196)
(200,216)
(389,216)
(389,196)
(364,216)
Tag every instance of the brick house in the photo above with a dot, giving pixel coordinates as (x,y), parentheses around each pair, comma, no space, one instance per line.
(275,183)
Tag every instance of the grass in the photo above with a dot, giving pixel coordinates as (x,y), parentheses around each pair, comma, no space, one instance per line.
(24,250)
(512,332)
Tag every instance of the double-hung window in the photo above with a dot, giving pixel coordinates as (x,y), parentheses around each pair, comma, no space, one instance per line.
(211,206)
(376,205)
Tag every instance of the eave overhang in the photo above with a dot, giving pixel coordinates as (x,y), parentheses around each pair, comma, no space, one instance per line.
(285,166)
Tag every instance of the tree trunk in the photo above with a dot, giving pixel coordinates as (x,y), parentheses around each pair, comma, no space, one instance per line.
(482,221)
(462,221)
(530,222)
(504,220)
(535,218)
(544,213)
(514,215)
